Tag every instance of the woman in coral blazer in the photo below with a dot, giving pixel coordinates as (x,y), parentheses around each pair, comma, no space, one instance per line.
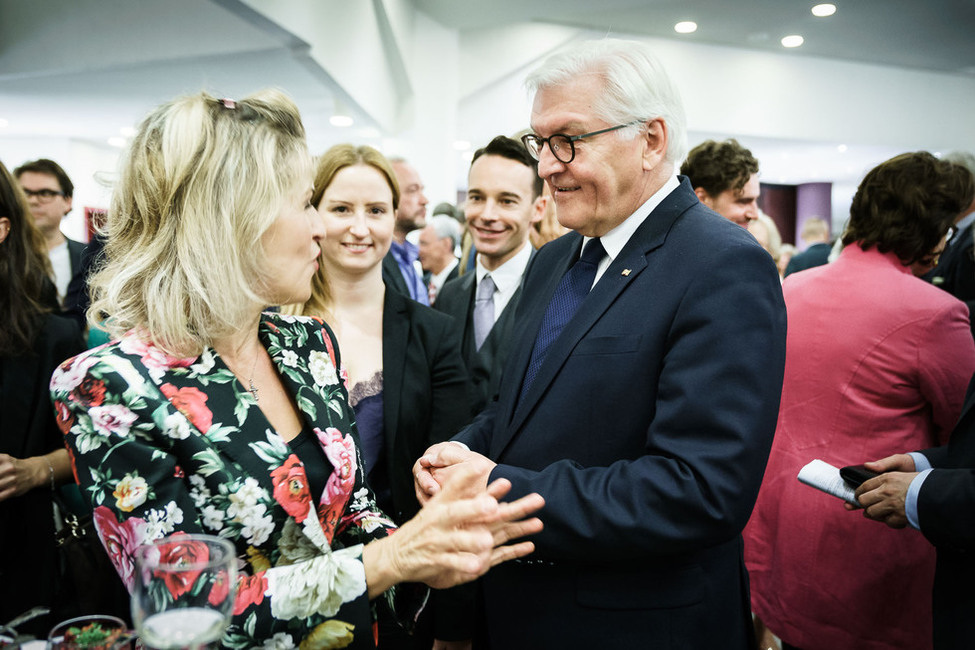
(877,361)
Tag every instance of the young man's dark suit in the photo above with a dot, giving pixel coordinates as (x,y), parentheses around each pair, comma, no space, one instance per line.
(483,366)
(647,430)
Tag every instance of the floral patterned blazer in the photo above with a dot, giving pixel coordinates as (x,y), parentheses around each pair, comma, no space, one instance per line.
(162,445)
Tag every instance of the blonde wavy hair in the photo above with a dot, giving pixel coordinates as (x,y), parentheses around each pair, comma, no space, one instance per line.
(203,180)
(328,165)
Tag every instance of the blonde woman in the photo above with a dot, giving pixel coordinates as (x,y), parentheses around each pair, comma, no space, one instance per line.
(207,415)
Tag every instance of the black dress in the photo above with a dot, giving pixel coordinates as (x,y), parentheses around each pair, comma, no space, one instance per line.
(28,560)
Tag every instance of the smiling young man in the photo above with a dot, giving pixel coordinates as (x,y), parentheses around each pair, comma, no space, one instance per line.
(504,199)
(724,176)
(616,404)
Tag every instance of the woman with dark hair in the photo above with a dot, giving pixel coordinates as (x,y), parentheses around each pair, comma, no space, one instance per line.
(33,460)
(877,361)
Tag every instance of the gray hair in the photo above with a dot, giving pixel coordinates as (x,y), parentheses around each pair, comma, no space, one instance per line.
(637,88)
(446,226)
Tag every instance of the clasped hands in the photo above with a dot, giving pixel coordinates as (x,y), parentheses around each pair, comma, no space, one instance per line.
(883,498)
(462,530)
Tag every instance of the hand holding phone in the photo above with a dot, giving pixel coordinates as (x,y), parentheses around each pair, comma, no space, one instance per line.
(854,475)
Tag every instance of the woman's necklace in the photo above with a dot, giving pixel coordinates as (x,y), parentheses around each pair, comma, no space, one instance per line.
(250,380)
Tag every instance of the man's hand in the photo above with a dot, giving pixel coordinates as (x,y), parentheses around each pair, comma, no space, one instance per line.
(895,463)
(442,461)
(883,498)
(452,645)
(460,534)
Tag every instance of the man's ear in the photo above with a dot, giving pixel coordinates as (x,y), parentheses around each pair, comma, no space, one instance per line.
(703,196)
(4,228)
(68,201)
(538,208)
(655,139)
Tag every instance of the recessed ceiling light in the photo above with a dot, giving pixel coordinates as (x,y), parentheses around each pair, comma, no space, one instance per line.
(341,120)
(127,131)
(792,40)
(117,141)
(823,10)
(4,123)
(685,27)
(841,148)
(461,145)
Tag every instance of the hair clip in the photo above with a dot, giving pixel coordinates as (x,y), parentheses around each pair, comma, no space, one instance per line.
(228,103)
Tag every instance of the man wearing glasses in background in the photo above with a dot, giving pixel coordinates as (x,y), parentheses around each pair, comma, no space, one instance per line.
(641,393)
(49,191)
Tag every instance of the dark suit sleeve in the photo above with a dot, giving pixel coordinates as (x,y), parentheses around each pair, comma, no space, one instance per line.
(947,496)
(717,388)
(945,505)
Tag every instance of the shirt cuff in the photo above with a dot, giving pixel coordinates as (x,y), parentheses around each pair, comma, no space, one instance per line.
(458,442)
(921,461)
(910,501)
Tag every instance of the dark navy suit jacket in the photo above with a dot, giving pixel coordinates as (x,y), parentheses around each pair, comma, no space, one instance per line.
(945,507)
(483,366)
(646,430)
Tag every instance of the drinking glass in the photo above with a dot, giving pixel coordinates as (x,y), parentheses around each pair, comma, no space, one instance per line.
(184,591)
(96,632)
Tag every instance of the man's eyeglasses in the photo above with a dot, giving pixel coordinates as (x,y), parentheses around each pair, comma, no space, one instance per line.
(561,145)
(952,231)
(44,196)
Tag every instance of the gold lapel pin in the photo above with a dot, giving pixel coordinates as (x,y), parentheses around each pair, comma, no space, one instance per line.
(626,272)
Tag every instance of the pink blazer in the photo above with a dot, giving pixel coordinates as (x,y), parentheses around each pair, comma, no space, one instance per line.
(877,363)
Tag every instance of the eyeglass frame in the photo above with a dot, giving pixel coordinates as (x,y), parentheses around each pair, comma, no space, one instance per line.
(571,139)
(951,234)
(44,196)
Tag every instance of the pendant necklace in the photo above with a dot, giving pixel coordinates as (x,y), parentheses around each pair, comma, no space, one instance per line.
(250,380)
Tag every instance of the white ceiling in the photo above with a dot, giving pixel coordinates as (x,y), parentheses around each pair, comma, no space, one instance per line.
(83,69)
(924,34)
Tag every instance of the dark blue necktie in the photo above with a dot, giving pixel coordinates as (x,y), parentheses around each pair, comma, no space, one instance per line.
(568,296)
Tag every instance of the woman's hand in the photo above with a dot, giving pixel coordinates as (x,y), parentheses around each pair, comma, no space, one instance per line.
(21,475)
(457,536)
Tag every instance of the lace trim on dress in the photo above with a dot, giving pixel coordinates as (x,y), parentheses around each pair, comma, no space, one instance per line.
(367,388)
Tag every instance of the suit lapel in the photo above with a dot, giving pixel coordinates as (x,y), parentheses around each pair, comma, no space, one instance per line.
(461,310)
(624,270)
(395,340)
(529,321)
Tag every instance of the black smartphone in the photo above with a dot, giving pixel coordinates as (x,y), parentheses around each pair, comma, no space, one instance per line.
(854,475)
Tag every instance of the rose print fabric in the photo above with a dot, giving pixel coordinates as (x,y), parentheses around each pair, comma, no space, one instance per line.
(162,445)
